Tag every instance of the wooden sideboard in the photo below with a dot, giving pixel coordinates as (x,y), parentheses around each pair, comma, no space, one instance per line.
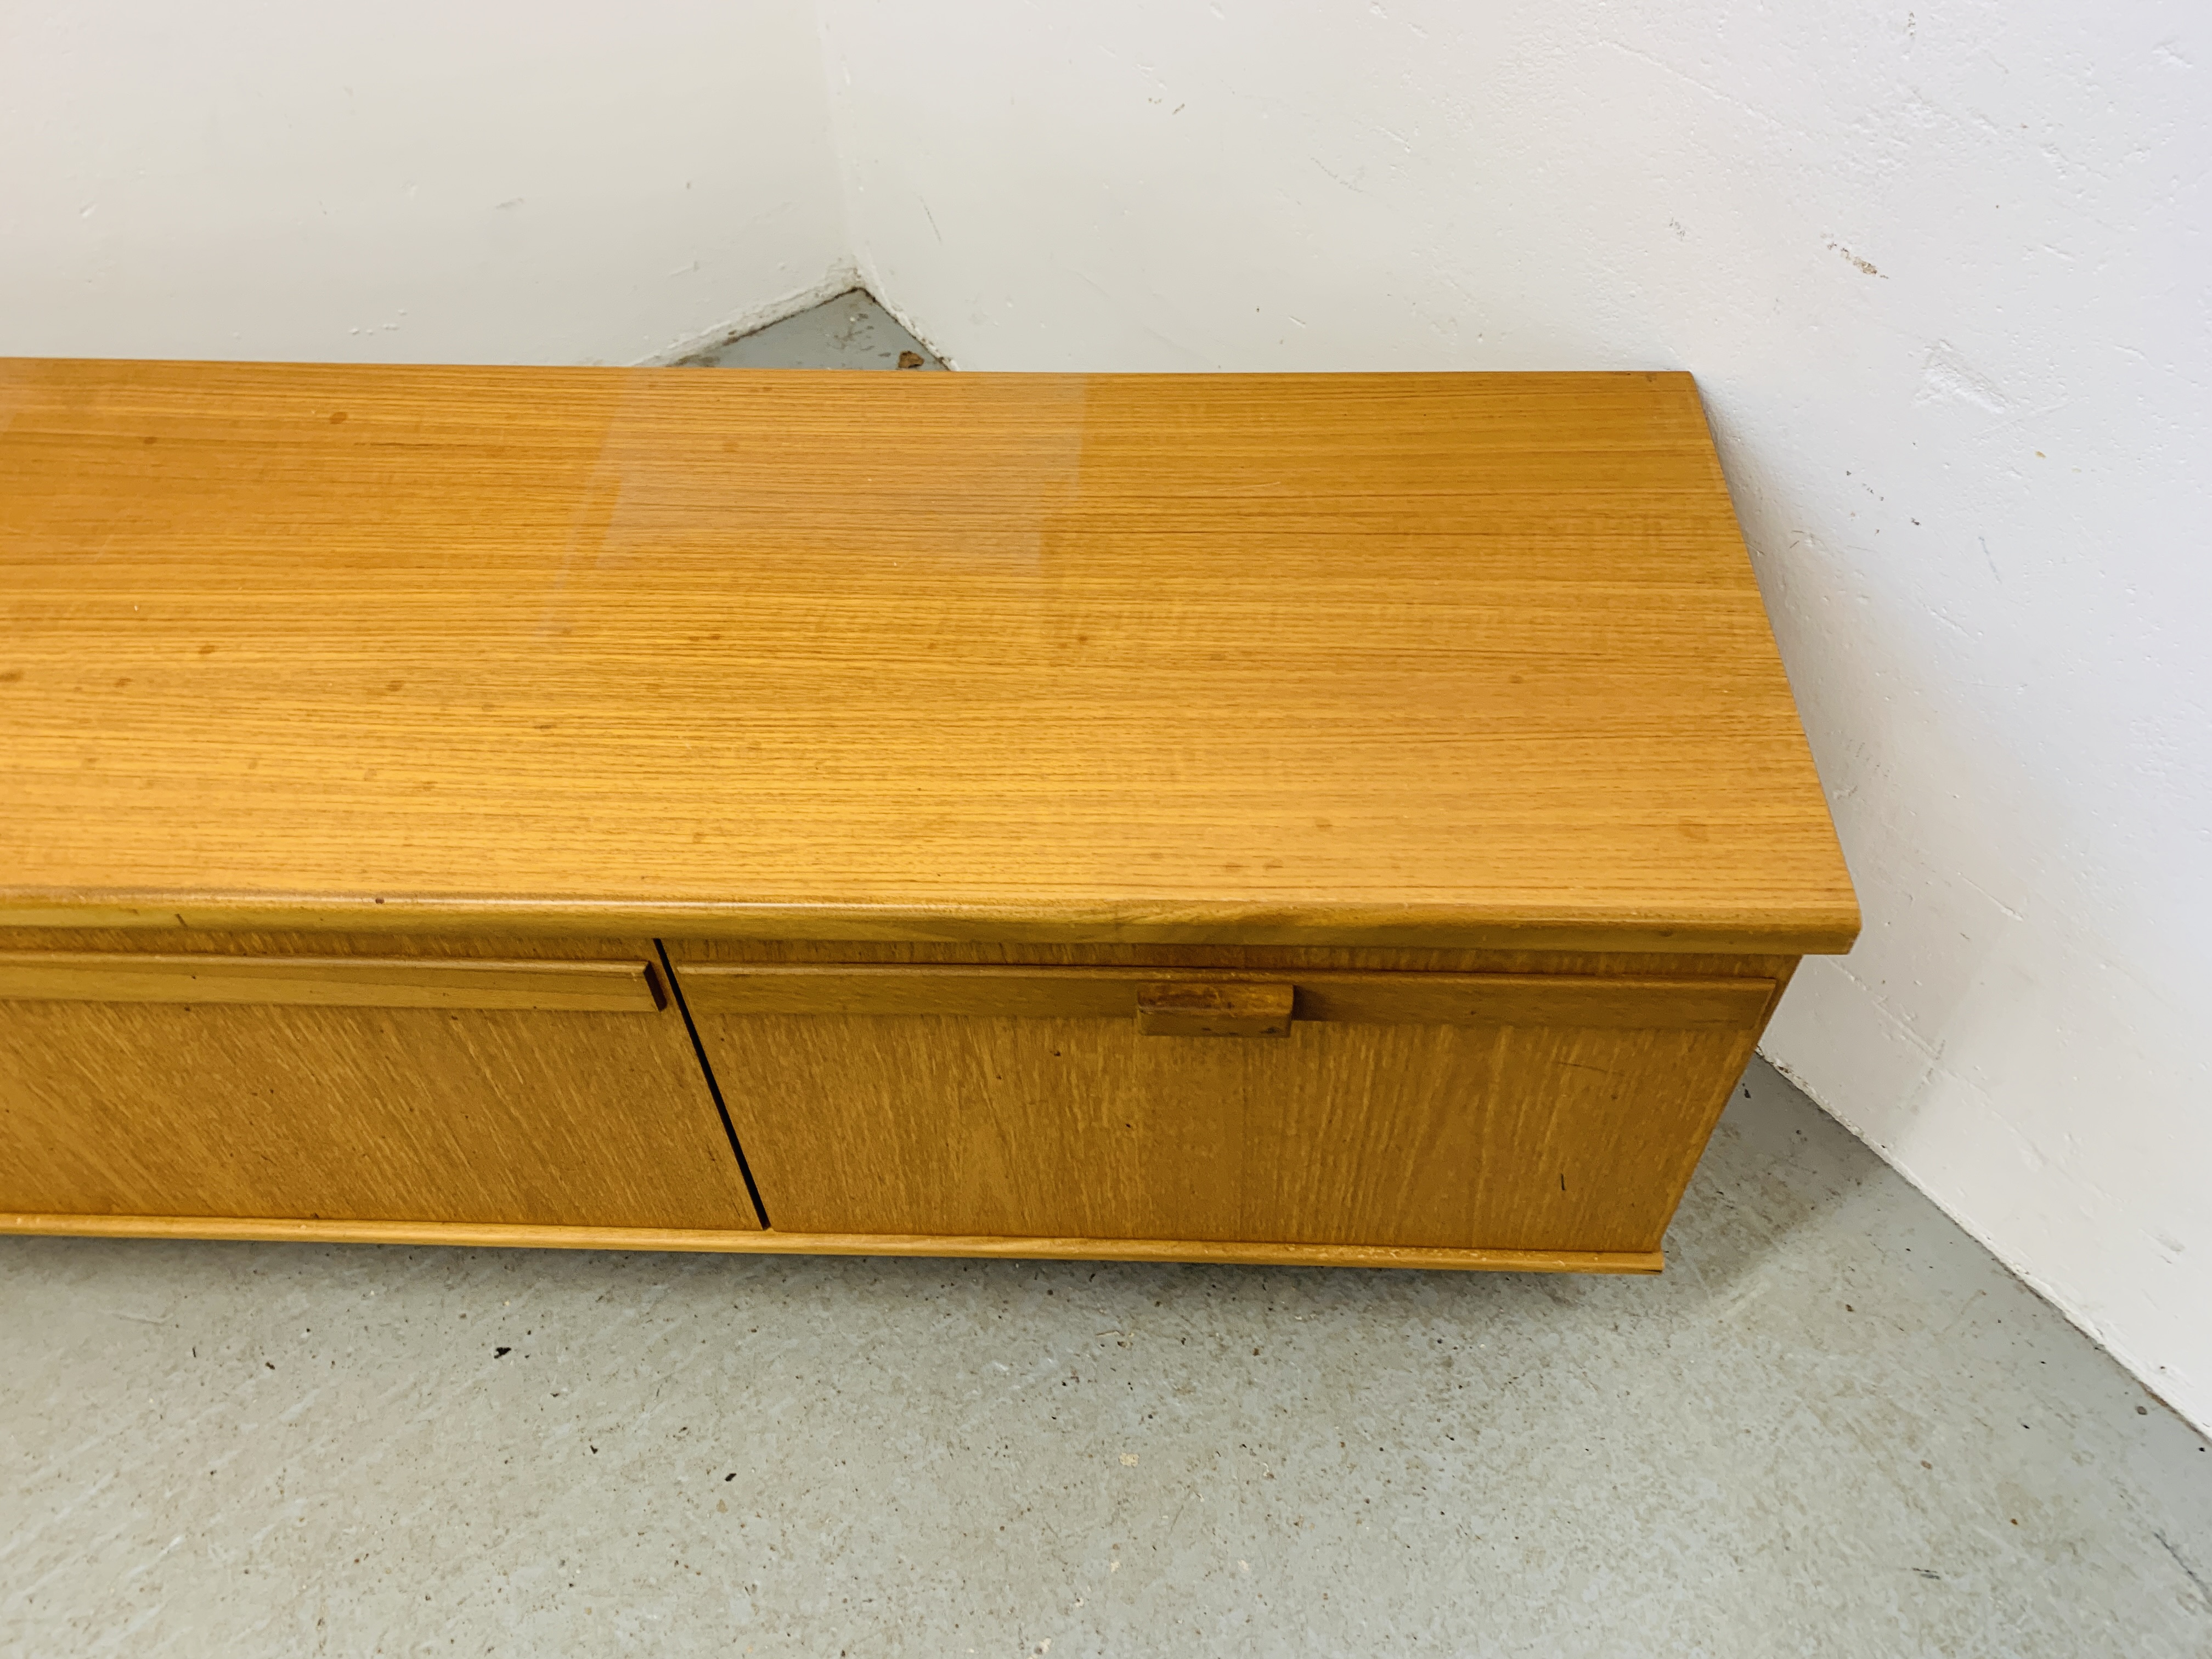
(1351,818)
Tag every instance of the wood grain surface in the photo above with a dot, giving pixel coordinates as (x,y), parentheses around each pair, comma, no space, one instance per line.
(1495,1136)
(416,1115)
(1116,992)
(470,946)
(1267,958)
(771,1241)
(1427,660)
(341,982)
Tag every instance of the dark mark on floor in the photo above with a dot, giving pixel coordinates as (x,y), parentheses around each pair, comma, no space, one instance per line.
(500,1353)
(2203,1590)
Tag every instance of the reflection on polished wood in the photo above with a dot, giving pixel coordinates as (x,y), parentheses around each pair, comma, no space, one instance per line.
(1426,660)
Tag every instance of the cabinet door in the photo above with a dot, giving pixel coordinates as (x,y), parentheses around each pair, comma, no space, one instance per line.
(1470,1110)
(356,1088)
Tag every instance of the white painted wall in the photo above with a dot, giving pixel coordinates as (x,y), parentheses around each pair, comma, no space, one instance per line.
(1942,270)
(424,180)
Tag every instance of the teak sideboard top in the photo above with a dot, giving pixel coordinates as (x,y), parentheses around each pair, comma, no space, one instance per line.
(1462,660)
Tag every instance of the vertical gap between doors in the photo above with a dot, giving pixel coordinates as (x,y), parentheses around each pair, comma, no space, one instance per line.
(715,1089)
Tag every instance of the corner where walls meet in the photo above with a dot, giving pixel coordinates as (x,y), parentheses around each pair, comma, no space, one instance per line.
(1939,272)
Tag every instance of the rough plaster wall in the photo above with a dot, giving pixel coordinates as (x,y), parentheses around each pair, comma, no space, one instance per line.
(411,181)
(1941,270)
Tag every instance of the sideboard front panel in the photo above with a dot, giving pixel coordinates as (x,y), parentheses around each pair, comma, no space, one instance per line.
(354,1088)
(1496,1111)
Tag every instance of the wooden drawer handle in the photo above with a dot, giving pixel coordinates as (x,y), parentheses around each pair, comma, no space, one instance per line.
(1348,997)
(330,982)
(1215,1009)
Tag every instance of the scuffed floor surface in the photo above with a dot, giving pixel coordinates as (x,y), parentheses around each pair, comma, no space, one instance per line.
(1835,1426)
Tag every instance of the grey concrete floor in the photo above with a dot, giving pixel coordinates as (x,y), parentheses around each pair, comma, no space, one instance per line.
(1835,1426)
(850,331)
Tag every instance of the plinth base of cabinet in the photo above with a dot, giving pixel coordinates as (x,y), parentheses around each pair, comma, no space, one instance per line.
(526,1236)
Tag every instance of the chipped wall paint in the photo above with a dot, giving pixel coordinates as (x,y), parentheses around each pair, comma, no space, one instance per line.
(1941,270)
(410,181)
